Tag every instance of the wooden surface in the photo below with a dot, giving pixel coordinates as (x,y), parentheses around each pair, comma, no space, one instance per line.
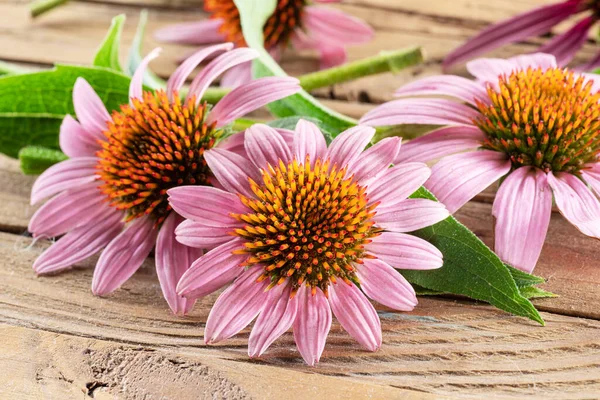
(60,342)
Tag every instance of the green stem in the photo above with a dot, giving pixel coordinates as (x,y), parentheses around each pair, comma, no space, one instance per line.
(39,7)
(386,61)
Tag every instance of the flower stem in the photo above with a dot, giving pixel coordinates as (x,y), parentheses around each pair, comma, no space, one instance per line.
(39,7)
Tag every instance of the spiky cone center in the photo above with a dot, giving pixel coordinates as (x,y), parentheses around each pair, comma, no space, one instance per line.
(277,30)
(547,119)
(308,225)
(152,147)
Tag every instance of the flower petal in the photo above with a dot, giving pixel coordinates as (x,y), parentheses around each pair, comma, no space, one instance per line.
(202,235)
(236,307)
(591,174)
(201,32)
(265,146)
(356,314)
(331,55)
(375,160)
(522,209)
(404,251)
(90,110)
(201,203)
(64,175)
(213,270)
(308,141)
(232,170)
(446,85)
(348,145)
(397,183)
(75,141)
(312,324)
(565,45)
(385,285)
(457,179)
(136,89)
(124,255)
(410,215)
(488,70)
(334,26)
(274,320)
(237,76)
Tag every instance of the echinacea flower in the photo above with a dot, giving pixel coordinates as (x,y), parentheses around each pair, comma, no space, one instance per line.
(537,22)
(111,192)
(299,22)
(303,231)
(528,123)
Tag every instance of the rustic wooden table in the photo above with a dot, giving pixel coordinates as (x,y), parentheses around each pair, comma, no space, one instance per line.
(57,341)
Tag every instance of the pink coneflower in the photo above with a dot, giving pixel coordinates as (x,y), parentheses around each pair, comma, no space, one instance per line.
(533,23)
(302,231)
(305,26)
(113,190)
(532,125)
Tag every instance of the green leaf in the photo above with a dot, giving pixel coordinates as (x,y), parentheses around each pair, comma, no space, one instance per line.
(108,54)
(33,105)
(532,292)
(36,159)
(135,55)
(291,122)
(470,268)
(523,279)
(254,14)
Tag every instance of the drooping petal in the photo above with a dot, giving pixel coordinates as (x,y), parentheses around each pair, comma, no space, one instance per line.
(204,235)
(334,26)
(251,96)
(565,45)
(591,175)
(356,314)
(265,146)
(274,320)
(75,141)
(62,176)
(331,55)
(172,260)
(136,89)
(201,203)
(522,208)
(308,141)
(446,85)
(404,251)
(457,179)
(80,243)
(375,161)
(348,145)
(237,76)
(236,307)
(217,66)
(398,183)
(201,32)
(410,215)
(213,270)
(420,111)
(180,75)
(385,285)
(441,142)
(124,255)
(232,170)
(576,202)
(312,324)
(89,109)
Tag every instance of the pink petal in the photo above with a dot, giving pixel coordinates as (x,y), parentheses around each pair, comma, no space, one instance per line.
(63,176)
(204,235)
(590,65)
(217,66)
(404,251)
(564,46)
(312,324)
(201,203)
(172,260)
(213,270)
(331,55)
(251,96)
(274,320)
(376,160)
(420,111)
(124,255)
(457,179)
(488,70)
(89,109)
(410,215)
(522,209)
(334,26)
(308,141)
(576,202)
(348,145)
(201,32)
(232,170)
(534,60)
(441,142)
(80,243)
(265,146)
(75,141)
(136,89)
(592,176)
(236,307)
(237,76)
(386,286)
(180,75)
(356,314)
(446,85)
(397,183)
(235,142)
(535,22)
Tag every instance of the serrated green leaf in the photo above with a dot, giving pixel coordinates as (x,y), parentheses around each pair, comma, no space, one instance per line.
(532,292)
(36,159)
(107,55)
(523,279)
(470,268)
(135,55)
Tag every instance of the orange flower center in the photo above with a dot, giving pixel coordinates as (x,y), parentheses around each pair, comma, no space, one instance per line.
(308,224)
(152,147)
(278,28)
(547,119)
